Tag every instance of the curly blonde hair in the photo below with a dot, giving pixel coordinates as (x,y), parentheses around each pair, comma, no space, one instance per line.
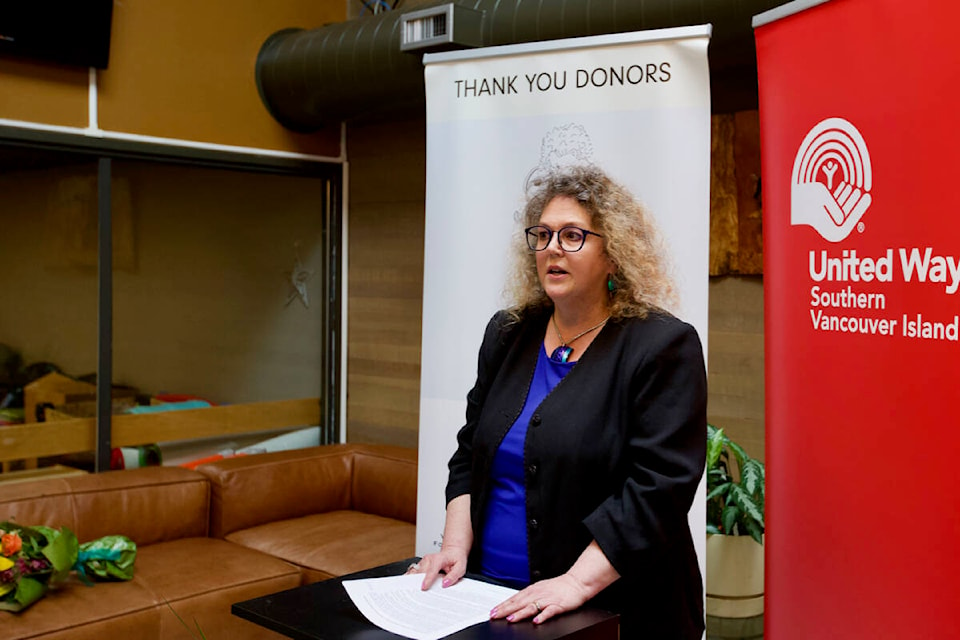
(631,239)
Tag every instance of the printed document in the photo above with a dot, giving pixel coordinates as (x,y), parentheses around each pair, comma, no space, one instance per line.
(397,604)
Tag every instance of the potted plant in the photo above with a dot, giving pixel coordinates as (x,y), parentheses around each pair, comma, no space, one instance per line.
(735,527)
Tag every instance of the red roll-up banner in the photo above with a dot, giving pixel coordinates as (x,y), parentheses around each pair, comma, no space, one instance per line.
(860,136)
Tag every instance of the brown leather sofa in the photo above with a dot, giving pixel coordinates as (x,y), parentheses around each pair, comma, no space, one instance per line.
(230,531)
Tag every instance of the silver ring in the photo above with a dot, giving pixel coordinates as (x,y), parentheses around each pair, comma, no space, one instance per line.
(537,605)
(414,567)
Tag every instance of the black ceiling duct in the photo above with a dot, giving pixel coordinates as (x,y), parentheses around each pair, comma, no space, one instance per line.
(353,69)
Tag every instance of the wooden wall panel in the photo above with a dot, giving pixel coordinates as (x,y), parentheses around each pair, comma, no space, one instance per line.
(385,289)
(735,361)
(746,152)
(185,69)
(43,93)
(736,225)
(724,236)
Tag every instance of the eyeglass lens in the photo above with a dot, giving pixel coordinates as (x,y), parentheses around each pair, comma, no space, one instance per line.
(570,238)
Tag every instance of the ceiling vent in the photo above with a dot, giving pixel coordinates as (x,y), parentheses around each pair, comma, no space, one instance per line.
(446,26)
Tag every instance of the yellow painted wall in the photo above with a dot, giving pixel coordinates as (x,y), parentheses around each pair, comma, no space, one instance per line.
(43,92)
(178,69)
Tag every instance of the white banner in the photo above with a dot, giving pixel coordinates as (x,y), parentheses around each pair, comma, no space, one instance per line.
(637,105)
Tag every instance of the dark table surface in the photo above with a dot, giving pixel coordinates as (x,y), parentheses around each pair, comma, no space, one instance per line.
(324,611)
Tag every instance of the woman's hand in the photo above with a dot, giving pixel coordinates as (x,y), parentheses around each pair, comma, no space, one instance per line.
(589,575)
(450,560)
(543,600)
(457,540)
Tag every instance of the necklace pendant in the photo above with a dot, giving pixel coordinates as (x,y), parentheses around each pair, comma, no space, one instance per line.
(561,353)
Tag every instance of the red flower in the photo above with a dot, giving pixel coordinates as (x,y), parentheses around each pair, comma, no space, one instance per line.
(10,544)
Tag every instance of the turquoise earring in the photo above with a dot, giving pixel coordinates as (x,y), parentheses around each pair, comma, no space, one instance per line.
(610,285)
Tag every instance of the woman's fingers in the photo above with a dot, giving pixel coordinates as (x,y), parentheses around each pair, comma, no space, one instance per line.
(430,567)
(539,610)
(546,612)
(456,571)
(540,601)
(518,607)
(452,564)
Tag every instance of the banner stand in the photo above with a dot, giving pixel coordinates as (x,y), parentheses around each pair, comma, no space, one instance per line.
(636,104)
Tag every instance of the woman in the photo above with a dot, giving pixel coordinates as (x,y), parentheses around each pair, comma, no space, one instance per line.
(586,428)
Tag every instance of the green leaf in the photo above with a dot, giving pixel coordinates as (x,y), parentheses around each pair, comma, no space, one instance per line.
(721,489)
(202,636)
(729,519)
(28,591)
(745,502)
(717,475)
(61,551)
(754,530)
(714,447)
(712,528)
(752,477)
(739,453)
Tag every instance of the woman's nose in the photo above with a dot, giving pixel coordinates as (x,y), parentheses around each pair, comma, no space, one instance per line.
(554,244)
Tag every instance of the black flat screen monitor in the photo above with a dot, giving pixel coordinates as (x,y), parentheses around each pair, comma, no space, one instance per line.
(71,32)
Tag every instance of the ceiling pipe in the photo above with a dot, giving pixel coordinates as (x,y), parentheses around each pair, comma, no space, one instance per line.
(349,70)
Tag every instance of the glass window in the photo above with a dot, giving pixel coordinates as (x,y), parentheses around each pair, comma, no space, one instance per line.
(219,301)
(224,325)
(48,305)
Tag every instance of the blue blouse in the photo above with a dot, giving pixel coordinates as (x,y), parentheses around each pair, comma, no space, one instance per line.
(504,535)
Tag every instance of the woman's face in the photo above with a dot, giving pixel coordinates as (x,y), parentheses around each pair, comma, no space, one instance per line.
(572,277)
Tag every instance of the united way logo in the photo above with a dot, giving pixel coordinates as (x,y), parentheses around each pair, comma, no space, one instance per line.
(832,178)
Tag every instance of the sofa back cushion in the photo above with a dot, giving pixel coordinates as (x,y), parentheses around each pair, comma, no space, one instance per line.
(385,481)
(251,490)
(148,505)
(248,491)
(47,502)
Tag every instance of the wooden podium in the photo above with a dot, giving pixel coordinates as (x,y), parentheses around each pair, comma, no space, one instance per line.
(324,611)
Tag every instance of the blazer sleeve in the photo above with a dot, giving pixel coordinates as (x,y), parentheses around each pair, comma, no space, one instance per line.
(665,454)
(492,352)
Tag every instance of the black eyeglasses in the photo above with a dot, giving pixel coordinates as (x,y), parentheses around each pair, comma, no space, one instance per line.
(569,238)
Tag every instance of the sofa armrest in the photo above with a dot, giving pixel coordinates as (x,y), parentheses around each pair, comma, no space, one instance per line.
(385,481)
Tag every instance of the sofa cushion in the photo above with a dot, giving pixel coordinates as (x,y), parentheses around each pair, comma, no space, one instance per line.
(149,505)
(47,502)
(77,611)
(138,624)
(146,505)
(201,577)
(252,490)
(332,544)
(194,566)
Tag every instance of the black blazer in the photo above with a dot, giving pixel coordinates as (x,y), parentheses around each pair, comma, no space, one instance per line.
(614,454)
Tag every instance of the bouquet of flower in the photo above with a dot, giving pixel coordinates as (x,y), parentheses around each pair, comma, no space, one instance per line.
(32,559)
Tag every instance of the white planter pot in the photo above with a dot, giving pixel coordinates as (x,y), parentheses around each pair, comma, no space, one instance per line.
(734,577)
